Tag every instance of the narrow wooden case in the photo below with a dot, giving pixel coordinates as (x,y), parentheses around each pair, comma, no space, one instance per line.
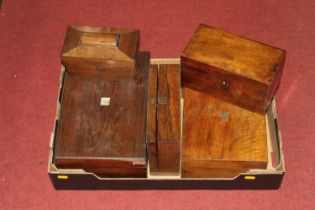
(163,124)
(267,177)
(107,53)
(232,68)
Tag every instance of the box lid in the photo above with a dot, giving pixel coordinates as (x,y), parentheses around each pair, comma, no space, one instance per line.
(100,43)
(232,68)
(234,54)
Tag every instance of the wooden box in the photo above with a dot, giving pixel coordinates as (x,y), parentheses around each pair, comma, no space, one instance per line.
(232,68)
(102,124)
(108,53)
(163,131)
(220,140)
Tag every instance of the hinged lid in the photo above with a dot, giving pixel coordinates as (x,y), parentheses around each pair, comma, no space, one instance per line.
(102,52)
(241,71)
(101,43)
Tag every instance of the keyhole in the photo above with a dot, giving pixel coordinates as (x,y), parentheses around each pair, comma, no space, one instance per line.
(99,67)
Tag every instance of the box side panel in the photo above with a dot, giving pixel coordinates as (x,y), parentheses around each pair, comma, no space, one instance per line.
(153,159)
(169,158)
(277,158)
(241,91)
(90,182)
(105,69)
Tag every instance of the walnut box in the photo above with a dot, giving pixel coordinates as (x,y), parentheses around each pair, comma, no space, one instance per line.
(232,68)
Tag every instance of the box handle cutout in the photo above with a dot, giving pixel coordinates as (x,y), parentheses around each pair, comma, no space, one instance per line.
(100,67)
(250,177)
(62,177)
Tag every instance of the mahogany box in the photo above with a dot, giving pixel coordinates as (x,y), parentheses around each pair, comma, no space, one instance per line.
(232,68)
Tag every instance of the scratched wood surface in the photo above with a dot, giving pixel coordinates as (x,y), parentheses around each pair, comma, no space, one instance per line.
(93,136)
(220,139)
(233,68)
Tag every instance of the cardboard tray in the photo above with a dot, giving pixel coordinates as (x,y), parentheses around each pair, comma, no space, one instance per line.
(269,178)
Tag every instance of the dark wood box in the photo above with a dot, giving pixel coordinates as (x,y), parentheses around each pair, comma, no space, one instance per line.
(267,177)
(232,68)
(102,126)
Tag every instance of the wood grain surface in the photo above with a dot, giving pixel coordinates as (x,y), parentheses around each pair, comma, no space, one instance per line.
(164,120)
(152,103)
(220,139)
(232,68)
(152,120)
(91,135)
(240,91)
(169,113)
(168,132)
